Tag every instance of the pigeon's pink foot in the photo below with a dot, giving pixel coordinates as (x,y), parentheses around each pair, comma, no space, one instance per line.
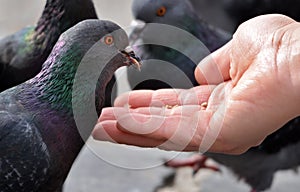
(197,162)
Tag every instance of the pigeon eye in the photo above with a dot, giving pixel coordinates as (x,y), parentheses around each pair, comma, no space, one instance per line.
(161,11)
(108,40)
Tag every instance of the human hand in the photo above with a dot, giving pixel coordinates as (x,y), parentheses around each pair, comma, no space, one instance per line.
(250,87)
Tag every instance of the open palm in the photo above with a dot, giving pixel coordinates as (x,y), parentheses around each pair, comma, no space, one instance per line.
(248,89)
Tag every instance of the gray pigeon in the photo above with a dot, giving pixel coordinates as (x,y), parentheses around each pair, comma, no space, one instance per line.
(163,66)
(45,121)
(23,53)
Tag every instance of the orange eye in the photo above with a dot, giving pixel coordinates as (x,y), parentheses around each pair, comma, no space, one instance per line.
(161,11)
(108,40)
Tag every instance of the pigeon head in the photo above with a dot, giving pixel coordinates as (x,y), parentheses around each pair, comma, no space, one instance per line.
(91,32)
(87,54)
(173,12)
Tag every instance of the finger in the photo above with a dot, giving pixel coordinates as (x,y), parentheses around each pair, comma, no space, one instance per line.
(180,129)
(163,97)
(112,113)
(176,133)
(108,131)
(186,110)
(214,69)
(144,98)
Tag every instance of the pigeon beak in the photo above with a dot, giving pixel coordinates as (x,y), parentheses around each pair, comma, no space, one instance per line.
(132,59)
(137,27)
(137,24)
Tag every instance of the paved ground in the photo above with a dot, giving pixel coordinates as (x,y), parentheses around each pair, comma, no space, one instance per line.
(110,168)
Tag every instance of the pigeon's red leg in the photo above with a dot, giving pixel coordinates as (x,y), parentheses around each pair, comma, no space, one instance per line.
(197,162)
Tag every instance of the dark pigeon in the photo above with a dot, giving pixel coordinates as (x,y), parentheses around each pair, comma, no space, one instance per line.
(243,10)
(23,53)
(257,167)
(45,121)
(214,13)
(177,13)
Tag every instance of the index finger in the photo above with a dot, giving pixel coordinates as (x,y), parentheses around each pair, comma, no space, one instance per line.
(214,69)
(165,97)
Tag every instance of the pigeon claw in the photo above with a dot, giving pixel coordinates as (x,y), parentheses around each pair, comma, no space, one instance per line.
(197,162)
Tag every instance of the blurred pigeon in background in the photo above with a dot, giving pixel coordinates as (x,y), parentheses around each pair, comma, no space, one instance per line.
(257,167)
(40,137)
(229,14)
(243,10)
(164,67)
(213,11)
(23,53)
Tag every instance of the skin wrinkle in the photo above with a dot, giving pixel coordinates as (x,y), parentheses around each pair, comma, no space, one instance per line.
(222,139)
(282,41)
(198,135)
(252,82)
(236,70)
(239,72)
(281,35)
(260,98)
(159,99)
(295,59)
(277,38)
(225,140)
(192,123)
(286,53)
(187,97)
(176,136)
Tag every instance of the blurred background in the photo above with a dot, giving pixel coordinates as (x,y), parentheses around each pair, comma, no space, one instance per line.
(112,168)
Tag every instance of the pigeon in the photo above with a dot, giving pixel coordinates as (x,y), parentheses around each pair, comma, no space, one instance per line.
(242,10)
(257,167)
(163,66)
(214,13)
(45,120)
(23,53)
